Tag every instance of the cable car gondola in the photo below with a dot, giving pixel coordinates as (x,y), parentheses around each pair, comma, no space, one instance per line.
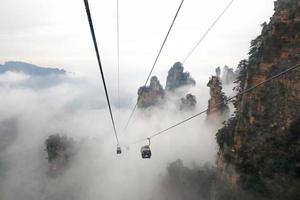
(119,150)
(146,151)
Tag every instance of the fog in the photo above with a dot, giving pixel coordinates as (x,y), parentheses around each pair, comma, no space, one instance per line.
(74,106)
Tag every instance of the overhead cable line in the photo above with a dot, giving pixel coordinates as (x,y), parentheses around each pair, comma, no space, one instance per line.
(87,8)
(208,30)
(156,59)
(214,107)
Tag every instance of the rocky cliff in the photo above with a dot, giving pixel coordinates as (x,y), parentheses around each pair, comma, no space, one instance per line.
(262,141)
(228,75)
(150,95)
(217,106)
(153,94)
(178,78)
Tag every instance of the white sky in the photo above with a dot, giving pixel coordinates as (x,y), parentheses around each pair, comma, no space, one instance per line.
(56,33)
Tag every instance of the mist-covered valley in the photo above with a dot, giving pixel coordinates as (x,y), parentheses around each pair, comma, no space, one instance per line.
(33,107)
(193,131)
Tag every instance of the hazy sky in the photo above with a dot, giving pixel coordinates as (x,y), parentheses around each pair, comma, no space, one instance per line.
(56,33)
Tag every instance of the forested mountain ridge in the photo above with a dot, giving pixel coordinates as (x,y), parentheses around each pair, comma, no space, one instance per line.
(260,144)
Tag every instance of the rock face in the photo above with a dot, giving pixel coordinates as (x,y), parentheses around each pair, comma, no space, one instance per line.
(177,78)
(218,72)
(188,103)
(150,95)
(154,94)
(217,102)
(262,140)
(228,75)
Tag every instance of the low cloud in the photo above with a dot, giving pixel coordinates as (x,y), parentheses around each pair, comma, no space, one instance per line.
(76,107)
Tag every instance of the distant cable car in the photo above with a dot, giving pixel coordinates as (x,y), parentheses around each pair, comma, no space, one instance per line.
(146,151)
(119,150)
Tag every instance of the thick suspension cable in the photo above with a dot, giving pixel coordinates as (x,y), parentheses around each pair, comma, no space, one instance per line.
(156,59)
(227,101)
(87,8)
(118,61)
(208,30)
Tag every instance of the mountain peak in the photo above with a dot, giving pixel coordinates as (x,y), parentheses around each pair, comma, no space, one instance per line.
(178,78)
(29,69)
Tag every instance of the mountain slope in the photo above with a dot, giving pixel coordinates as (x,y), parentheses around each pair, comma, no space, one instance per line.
(29,69)
(262,141)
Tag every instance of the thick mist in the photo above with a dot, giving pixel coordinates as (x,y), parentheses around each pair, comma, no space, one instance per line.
(75,106)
